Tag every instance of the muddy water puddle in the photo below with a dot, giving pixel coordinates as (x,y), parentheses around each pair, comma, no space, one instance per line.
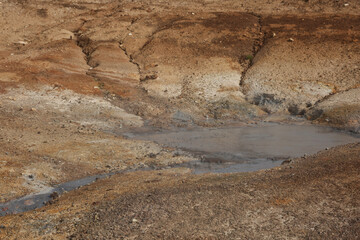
(221,150)
(40,199)
(33,201)
(250,148)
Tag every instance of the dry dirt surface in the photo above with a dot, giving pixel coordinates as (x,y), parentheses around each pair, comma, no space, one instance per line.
(75,74)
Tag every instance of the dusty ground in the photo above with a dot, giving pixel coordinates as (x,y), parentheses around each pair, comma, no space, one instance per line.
(72,73)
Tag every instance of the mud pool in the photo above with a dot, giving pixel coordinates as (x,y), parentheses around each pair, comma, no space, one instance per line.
(251,148)
(221,150)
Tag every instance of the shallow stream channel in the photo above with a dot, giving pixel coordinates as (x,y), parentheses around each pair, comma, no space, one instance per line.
(220,150)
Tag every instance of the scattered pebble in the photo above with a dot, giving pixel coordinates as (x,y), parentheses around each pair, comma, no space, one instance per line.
(346,4)
(291,40)
(151,155)
(29,202)
(54,195)
(22,42)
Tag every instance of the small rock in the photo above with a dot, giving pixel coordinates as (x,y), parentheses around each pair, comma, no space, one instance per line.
(56,86)
(288,161)
(54,195)
(181,116)
(148,77)
(134,220)
(29,202)
(273,34)
(346,4)
(291,40)
(33,109)
(327,148)
(62,34)
(151,155)
(130,34)
(22,42)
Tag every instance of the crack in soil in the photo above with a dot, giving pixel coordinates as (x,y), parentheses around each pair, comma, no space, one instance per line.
(335,93)
(257,46)
(84,43)
(159,29)
(142,48)
(131,59)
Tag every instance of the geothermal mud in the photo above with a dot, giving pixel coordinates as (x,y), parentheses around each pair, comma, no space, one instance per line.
(75,76)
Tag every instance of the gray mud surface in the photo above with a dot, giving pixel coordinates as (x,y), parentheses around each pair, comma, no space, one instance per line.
(250,148)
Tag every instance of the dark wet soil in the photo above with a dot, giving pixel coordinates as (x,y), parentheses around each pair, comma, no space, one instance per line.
(47,196)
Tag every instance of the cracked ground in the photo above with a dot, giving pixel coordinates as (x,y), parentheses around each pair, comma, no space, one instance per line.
(74,75)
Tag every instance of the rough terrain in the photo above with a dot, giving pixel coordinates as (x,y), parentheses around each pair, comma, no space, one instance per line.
(74,75)
(312,198)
